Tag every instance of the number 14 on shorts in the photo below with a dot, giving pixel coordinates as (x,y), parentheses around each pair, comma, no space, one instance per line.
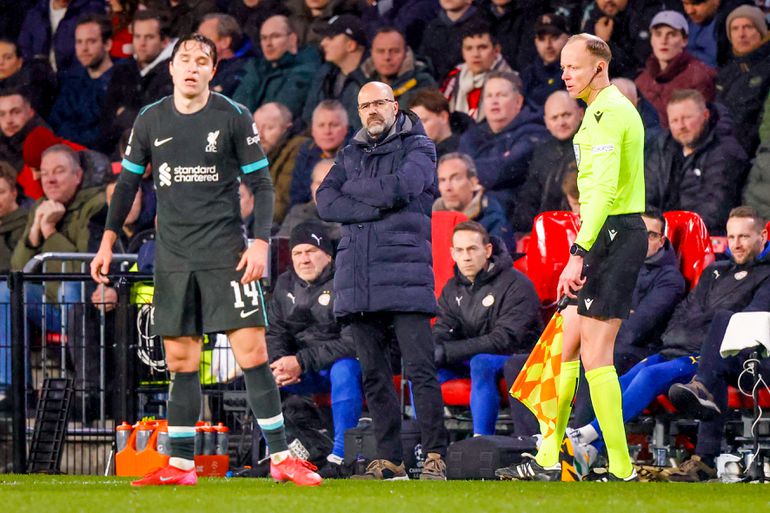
(249,290)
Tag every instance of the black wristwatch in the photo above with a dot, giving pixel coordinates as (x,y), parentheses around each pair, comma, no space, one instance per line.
(577,251)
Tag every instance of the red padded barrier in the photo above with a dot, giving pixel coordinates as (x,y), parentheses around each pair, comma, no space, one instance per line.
(548,250)
(690,239)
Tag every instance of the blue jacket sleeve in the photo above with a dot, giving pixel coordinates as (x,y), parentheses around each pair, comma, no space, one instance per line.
(415,174)
(657,305)
(336,206)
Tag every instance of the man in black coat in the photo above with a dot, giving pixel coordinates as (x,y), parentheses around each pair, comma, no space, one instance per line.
(442,40)
(488,311)
(742,85)
(309,351)
(138,81)
(381,189)
(698,164)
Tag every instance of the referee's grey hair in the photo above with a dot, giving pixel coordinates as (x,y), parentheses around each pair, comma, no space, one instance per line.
(466,159)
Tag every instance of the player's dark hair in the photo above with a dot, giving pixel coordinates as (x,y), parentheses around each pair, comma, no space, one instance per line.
(227,26)
(477,28)
(656,214)
(197,38)
(510,76)
(431,99)
(594,45)
(472,226)
(470,165)
(747,212)
(103,22)
(11,42)
(150,14)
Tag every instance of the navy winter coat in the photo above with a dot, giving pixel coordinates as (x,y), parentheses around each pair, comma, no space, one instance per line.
(659,288)
(502,159)
(35,38)
(78,111)
(382,193)
(499,313)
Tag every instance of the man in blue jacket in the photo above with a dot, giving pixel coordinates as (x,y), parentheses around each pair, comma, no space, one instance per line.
(381,189)
(503,144)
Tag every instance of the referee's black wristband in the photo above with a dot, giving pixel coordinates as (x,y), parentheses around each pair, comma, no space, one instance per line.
(577,251)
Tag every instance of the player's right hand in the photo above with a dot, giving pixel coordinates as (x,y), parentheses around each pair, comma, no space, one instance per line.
(100,265)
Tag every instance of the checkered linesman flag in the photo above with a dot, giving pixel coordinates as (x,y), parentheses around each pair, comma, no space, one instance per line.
(537,384)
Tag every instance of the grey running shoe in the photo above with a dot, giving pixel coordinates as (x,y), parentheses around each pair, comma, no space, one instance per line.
(434,468)
(692,471)
(694,399)
(529,470)
(383,470)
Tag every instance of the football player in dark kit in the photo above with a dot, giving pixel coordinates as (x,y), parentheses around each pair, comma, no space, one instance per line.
(201,145)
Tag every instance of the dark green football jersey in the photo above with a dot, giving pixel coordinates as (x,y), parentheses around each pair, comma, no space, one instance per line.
(197,160)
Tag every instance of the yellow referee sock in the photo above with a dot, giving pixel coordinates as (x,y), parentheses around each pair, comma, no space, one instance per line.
(608,406)
(548,454)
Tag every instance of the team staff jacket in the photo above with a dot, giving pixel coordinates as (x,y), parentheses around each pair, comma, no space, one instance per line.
(302,322)
(197,162)
(723,285)
(609,150)
(498,313)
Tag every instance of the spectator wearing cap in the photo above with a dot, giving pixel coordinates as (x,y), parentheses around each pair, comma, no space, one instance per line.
(329,131)
(233,51)
(624,25)
(460,191)
(33,76)
(17,120)
(551,161)
(343,42)
(308,15)
(513,22)
(706,20)
(305,212)
(481,54)
(283,73)
(743,84)
(78,110)
(442,43)
(442,126)
(671,66)
(543,75)
(281,144)
(698,164)
(394,63)
(49,30)
(502,145)
(308,349)
(138,81)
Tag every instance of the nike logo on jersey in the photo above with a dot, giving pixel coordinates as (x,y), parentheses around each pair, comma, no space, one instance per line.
(250,312)
(588,303)
(162,141)
(598,116)
(613,234)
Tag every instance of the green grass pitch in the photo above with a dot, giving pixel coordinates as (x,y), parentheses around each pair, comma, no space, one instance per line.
(90,494)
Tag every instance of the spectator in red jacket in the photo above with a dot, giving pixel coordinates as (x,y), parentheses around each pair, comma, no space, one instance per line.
(671,67)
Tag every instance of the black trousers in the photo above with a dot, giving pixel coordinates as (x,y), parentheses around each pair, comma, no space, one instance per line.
(524,421)
(371,335)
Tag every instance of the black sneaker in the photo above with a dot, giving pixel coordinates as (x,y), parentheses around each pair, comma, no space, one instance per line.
(334,471)
(694,399)
(529,470)
(605,476)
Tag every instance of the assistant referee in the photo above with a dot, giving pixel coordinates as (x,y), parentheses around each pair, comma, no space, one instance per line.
(606,257)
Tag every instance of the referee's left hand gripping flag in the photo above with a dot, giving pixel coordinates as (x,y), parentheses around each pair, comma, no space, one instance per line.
(537,384)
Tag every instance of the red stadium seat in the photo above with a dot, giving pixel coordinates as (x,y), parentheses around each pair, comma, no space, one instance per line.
(442,225)
(520,264)
(690,239)
(548,251)
(457,392)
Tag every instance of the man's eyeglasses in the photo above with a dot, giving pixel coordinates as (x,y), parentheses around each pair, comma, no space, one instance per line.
(377,104)
(654,235)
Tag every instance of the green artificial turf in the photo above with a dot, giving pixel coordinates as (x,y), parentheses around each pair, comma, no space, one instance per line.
(50,494)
